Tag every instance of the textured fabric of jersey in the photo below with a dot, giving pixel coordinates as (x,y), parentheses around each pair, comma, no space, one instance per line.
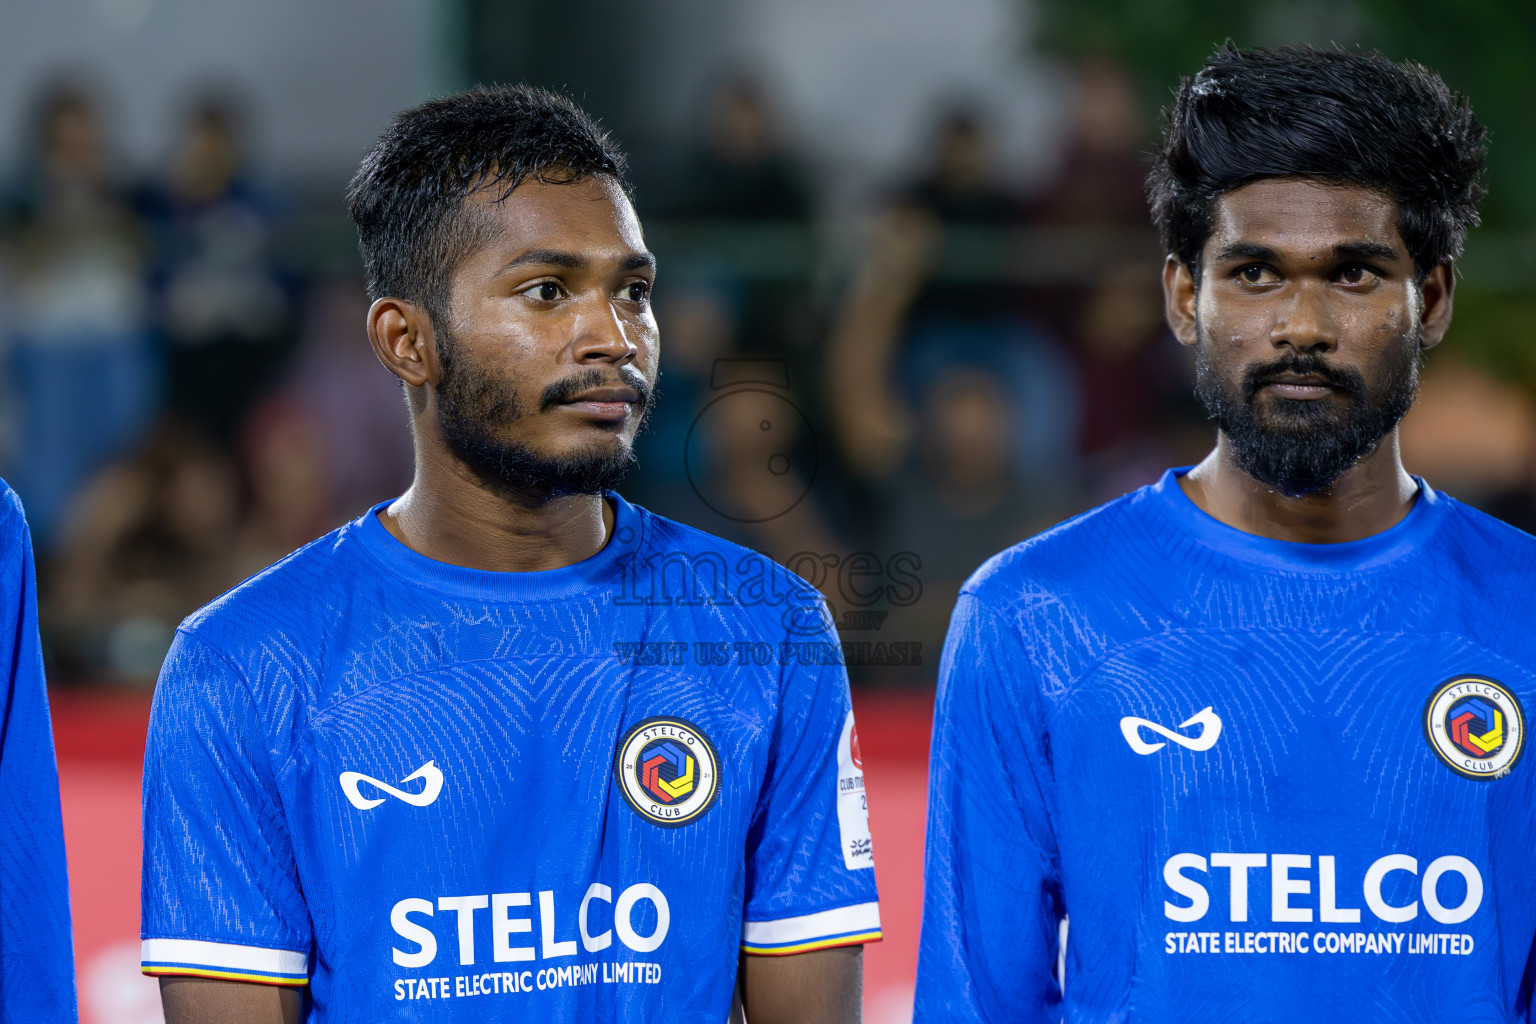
(37,960)
(434,793)
(1263,781)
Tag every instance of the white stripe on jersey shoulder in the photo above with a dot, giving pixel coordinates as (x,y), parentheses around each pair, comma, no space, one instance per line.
(859,918)
(225,956)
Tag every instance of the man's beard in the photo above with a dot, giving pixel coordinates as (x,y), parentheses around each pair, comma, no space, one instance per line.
(474,409)
(1299,446)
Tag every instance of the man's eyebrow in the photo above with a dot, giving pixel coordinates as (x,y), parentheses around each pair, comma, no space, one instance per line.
(1365,251)
(1245,251)
(546,258)
(571,260)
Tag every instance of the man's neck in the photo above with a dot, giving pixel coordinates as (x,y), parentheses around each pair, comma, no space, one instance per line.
(1373,495)
(451,516)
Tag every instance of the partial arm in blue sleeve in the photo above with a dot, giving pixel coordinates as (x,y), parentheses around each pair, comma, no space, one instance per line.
(37,962)
(992,905)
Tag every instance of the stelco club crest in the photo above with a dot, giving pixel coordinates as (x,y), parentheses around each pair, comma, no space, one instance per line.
(1476,726)
(668,771)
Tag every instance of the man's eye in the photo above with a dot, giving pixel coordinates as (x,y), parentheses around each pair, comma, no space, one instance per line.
(547,290)
(1356,274)
(1253,274)
(637,291)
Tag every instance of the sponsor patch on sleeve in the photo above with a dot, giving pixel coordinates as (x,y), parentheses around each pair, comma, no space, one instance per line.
(852,807)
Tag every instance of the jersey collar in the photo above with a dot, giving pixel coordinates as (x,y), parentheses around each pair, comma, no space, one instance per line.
(600,570)
(1404,538)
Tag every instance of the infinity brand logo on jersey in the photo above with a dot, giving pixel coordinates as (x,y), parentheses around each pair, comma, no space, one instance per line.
(1206,719)
(668,771)
(429,772)
(1476,726)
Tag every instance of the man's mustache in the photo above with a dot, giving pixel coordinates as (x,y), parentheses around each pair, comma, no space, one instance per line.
(1349,382)
(562,391)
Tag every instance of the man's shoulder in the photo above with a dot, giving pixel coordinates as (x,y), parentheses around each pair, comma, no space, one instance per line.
(13,518)
(674,555)
(1474,527)
(665,536)
(1079,554)
(293,598)
(13,536)
(1498,556)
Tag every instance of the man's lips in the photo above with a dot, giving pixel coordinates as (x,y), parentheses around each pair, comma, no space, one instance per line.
(1298,386)
(610,403)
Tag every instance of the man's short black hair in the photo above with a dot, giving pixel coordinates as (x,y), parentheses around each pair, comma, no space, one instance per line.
(1329,115)
(408,198)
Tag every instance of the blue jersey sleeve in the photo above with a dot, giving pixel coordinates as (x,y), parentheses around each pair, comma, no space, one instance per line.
(221,896)
(992,901)
(810,868)
(37,965)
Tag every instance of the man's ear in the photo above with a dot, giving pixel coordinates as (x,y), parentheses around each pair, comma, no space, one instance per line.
(402,338)
(1179,300)
(1437,291)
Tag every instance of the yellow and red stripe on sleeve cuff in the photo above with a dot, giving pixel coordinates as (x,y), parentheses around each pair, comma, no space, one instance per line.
(225,961)
(845,926)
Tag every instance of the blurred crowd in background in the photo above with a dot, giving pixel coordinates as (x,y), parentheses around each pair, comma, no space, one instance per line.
(181,408)
(880,402)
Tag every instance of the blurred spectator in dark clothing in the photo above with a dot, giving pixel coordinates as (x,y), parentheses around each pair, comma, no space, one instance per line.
(879,381)
(1137,410)
(743,300)
(960,185)
(286,473)
(752,457)
(160,533)
(950,236)
(83,374)
(1100,179)
(354,403)
(744,186)
(964,499)
(963,196)
(963,433)
(222,309)
(1124,376)
(1137,406)
(741,168)
(697,316)
(729,446)
(147,541)
(935,291)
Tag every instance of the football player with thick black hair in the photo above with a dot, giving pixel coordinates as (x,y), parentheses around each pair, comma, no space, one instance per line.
(1256,729)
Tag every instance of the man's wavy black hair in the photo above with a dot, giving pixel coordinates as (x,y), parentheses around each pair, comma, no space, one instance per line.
(408,198)
(1329,115)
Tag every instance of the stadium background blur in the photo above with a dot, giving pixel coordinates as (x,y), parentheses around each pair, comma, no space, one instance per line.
(908,300)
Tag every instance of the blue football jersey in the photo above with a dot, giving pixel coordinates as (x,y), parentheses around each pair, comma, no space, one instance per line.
(1261,781)
(37,961)
(434,793)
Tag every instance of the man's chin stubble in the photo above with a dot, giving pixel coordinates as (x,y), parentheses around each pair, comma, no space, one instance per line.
(519,473)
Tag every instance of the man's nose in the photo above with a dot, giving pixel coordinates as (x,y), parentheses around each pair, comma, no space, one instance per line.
(1305,320)
(602,335)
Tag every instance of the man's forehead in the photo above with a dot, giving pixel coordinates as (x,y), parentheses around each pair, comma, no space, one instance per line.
(1287,213)
(591,213)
